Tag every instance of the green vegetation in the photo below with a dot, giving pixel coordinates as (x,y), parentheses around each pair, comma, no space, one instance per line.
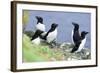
(36,53)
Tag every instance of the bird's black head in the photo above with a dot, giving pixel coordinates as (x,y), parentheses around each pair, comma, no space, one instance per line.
(39,19)
(76,26)
(54,25)
(84,33)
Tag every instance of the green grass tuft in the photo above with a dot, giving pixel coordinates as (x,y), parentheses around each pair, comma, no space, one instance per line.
(36,53)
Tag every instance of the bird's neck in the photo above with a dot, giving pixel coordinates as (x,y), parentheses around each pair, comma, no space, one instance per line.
(83,36)
(40,22)
(76,29)
(52,29)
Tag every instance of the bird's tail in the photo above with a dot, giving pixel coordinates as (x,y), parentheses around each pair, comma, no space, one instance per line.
(74,49)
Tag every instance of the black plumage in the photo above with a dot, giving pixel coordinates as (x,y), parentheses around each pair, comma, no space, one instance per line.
(36,34)
(40,19)
(76,35)
(76,46)
(53,27)
(80,43)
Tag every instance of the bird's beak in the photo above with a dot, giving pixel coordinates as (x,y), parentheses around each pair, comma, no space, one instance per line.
(57,25)
(87,32)
(37,17)
(73,23)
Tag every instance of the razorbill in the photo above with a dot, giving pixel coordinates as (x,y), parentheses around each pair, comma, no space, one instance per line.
(40,28)
(51,35)
(40,25)
(75,33)
(36,37)
(80,43)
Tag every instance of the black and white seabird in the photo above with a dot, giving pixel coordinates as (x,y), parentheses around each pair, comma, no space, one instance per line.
(40,28)
(40,25)
(51,35)
(80,43)
(36,37)
(75,33)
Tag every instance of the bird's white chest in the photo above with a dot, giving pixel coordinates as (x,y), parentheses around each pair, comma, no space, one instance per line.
(36,41)
(40,26)
(81,45)
(72,36)
(52,36)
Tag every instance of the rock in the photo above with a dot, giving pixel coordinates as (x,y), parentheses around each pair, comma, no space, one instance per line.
(29,33)
(86,53)
(67,47)
(53,59)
